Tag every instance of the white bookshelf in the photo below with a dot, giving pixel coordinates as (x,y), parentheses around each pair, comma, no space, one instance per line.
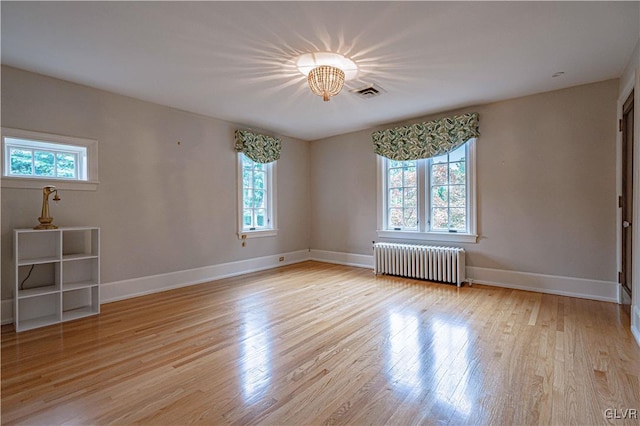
(57,275)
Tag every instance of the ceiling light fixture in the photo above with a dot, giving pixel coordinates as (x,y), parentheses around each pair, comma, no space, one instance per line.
(326,72)
(326,81)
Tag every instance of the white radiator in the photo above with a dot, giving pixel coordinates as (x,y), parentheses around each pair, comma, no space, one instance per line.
(444,264)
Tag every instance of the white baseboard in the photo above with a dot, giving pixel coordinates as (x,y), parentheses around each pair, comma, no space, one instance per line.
(606,291)
(119,290)
(357,260)
(635,322)
(565,286)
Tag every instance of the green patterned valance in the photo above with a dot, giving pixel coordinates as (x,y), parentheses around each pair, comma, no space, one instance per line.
(259,148)
(425,140)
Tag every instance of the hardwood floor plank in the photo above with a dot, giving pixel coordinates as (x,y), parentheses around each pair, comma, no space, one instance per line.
(316,343)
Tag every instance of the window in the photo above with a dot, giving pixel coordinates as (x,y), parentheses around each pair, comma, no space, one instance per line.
(448,191)
(402,193)
(429,199)
(32,159)
(256,194)
(40,159)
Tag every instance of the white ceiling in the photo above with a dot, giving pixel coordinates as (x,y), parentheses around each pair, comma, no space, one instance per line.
(235,60)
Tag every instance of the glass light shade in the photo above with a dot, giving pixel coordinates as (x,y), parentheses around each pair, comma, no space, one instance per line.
(326,81)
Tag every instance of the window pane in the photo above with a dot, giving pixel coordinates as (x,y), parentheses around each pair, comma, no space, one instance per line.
(247,162)
(457,218)
(247,178)
(44,163)
(247,218)
(459,154)
(261,215)
(439,174)
(410,176)
(457,173)
(258,199)
(258,180)
(66,165)
(21,162)
(439,218)
(395,197)
(258,166)
(457,195)
(410,219)
(395,178)
(395,218)
(439,196)
(410,197)
(440,159)
(394,163)
(247,198)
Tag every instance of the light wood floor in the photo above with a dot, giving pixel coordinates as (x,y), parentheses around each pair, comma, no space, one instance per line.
(316,343)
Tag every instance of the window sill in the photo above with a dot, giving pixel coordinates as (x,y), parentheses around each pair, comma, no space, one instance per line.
(453,237)
(39,183)
(257,234)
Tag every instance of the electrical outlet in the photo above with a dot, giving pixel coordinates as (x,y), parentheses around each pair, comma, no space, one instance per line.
(281,259)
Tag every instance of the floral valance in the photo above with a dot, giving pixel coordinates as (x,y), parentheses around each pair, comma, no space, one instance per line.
(425,140)
(259,148)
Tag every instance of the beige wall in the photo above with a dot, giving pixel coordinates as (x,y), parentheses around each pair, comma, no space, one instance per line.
(628,75)
(162,207)
(546,185)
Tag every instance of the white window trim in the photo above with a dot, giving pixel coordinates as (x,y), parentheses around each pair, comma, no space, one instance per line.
(30,182)
(470,236)
(271,203)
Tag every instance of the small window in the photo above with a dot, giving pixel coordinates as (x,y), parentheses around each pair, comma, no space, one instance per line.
(44,160)
(31,159)
(256,196)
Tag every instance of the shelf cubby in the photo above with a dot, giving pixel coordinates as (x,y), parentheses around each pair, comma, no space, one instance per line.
(80,302)
(83,271)
(78,243)
(38,311)
(36,247)
(38,278)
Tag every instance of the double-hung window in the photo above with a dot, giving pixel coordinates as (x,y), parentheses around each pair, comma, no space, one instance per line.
(402,195)
(256,193)
(32,159)
(429,199)
(448,192)
(257,158)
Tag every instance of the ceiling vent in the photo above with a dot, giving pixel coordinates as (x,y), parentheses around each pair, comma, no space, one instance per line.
(368,91)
